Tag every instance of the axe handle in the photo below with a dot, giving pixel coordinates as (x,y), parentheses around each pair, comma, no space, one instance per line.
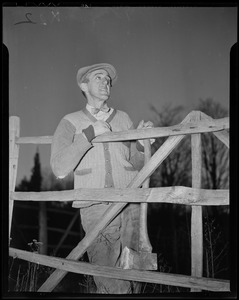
(144,243)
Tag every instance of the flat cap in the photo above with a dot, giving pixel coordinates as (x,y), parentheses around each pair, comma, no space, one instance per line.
(82,72)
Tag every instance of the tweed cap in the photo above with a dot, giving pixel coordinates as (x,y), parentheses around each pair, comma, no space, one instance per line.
(82,72)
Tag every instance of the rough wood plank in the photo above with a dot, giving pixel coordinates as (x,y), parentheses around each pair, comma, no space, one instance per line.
(117,273)
(209,125)
(196,217)
(144,242)
(35,140)
(42,226)
(183,128)
(14,131)
(175,195)
(188,196)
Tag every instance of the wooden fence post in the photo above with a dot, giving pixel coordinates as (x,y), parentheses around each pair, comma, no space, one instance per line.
(42,231)
(14,131)
(196,216)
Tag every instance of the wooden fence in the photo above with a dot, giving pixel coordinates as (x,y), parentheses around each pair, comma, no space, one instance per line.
(194,124)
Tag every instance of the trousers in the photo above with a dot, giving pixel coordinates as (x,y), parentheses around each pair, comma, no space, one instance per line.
(107,247)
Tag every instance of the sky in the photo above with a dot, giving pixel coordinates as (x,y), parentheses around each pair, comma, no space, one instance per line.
(163,56)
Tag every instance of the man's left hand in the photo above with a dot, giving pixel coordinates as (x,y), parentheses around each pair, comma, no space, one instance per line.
(147,124)
(143,125)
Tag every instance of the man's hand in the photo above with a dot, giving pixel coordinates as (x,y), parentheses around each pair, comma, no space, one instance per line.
(101,127)
(143,124)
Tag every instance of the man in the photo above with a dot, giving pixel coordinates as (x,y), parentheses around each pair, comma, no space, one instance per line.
(101,165)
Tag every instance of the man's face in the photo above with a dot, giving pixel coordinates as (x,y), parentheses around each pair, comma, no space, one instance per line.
(98,85)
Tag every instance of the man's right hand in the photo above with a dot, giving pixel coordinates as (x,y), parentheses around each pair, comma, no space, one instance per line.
(101,127)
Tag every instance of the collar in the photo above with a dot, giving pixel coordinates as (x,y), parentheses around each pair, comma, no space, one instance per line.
(111,115)
(91,109)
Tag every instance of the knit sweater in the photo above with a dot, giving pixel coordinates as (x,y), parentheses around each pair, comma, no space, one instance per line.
(98,165)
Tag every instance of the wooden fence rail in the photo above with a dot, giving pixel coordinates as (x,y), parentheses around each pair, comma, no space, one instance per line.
(68,265)
(194,124)
(174,195)
(207,125)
